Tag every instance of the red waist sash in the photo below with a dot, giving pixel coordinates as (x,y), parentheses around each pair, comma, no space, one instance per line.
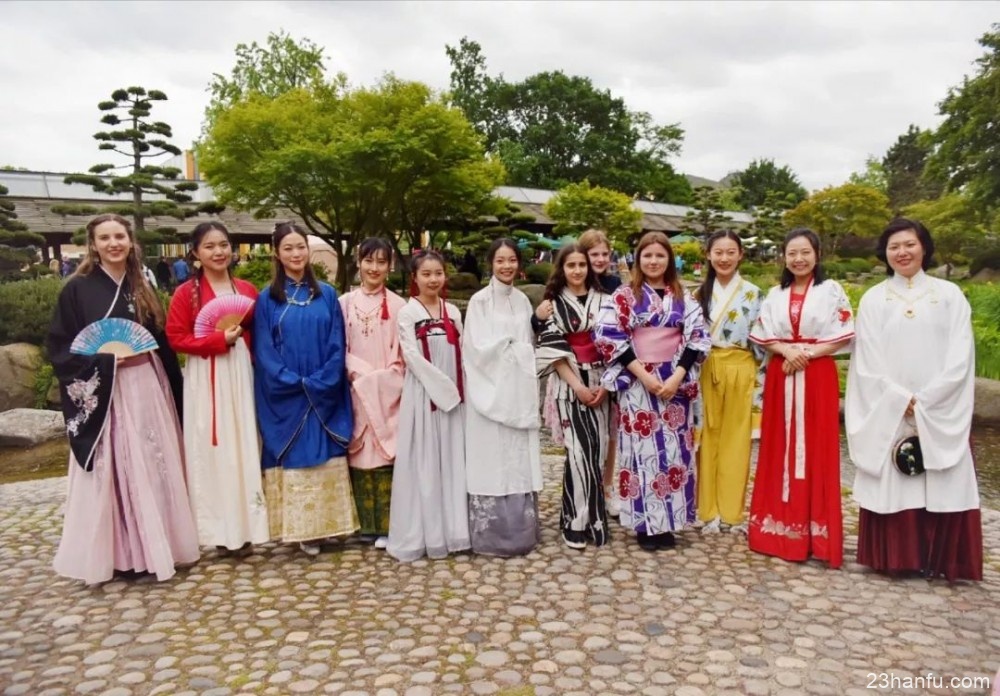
(582,345)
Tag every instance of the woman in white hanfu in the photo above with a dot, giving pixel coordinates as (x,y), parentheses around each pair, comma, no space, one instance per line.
(429,512)
(913,374)
(503,455)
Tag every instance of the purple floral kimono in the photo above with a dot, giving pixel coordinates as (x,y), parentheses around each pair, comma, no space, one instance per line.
(656,481)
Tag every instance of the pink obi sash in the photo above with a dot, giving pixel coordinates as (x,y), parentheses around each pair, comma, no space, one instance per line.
(582,345)
(656,344)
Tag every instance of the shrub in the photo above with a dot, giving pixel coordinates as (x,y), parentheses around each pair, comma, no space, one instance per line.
(691,252)
(985,302)
(989,258)
(538,273)
(463,281)
(26,308)
(394,282)
(257,270)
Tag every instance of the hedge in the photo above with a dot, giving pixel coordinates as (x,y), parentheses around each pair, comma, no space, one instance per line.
(26,308)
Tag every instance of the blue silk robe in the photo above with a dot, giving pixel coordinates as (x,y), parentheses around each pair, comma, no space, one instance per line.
(300,379)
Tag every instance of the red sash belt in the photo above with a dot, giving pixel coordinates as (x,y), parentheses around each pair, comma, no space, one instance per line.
(582,345)
(445,324)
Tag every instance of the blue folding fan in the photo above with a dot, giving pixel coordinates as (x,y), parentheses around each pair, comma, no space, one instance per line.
(120,337)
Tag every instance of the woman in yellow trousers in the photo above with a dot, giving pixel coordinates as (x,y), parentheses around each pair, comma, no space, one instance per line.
(730,385)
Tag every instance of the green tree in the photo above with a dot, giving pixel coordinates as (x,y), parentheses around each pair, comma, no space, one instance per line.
(17,244)
(873,176)
(388,160)
(761,176)
(955,224)
(577,207)
(707,214)
(282,65)
(968,145)
(907,176)
(768,220)
(837,211)
(553,129)
(140,139)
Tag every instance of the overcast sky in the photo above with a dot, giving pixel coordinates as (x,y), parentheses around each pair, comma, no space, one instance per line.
(817,86)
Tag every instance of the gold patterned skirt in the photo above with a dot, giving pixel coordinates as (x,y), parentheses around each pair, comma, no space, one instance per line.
(309,504)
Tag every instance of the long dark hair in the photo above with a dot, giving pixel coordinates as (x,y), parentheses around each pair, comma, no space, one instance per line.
(787,277)
(198,234)
(670,278)
(704,292)
(416,261)
(147,304)
(500,243)
(373,245)
(901,224)
(278,276)
(557,281)
(370,248)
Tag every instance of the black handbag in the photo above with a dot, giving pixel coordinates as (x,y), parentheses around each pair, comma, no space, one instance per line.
(907,456)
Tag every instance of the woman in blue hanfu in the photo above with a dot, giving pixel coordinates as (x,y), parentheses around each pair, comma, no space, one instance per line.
(303,400)
(653,338)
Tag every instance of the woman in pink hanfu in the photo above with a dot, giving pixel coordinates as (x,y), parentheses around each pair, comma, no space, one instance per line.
(375,368)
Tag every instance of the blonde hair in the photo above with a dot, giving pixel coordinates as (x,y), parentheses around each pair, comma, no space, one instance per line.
(592,238)
(147,304)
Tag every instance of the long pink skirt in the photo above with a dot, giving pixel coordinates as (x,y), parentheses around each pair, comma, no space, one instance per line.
(131,512)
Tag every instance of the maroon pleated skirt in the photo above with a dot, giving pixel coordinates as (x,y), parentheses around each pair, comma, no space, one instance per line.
(936,544)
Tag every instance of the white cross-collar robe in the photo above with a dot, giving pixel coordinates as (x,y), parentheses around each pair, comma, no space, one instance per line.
(914,339)
(503,453)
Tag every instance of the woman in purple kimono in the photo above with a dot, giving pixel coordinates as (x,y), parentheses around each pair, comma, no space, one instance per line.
(653,338)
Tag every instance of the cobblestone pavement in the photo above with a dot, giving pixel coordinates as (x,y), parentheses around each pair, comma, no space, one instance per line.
(709,617)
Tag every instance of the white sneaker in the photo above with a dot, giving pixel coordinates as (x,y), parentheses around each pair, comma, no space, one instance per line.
(713,527)
(310,549)
(612,504)
(382,542)
(739,529)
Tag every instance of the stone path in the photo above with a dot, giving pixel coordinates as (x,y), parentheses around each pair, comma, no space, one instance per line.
(710,617)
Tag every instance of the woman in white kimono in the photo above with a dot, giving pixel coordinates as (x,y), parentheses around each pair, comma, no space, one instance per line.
(503,454)
(429,512)
(567,354)
(913,374)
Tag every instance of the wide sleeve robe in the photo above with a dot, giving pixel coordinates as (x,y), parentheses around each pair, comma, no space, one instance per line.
(301,388)
(913,343)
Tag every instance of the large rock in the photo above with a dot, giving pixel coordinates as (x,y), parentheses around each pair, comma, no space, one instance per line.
(987,408)
(27,427)
(18,364)
(535,293)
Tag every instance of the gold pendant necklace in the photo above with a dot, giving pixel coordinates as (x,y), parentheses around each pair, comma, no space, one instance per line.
(908,303)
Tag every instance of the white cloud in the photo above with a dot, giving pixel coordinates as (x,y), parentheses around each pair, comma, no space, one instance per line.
(817,86)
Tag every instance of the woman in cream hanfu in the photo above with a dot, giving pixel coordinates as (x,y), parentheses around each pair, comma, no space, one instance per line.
(913,373)
(503,453)
(567,354)
(220,425)
(731,386)
(795,508)
(652,337)
(375,368)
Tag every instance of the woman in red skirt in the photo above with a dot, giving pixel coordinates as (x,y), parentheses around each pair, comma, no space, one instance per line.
(795,510)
